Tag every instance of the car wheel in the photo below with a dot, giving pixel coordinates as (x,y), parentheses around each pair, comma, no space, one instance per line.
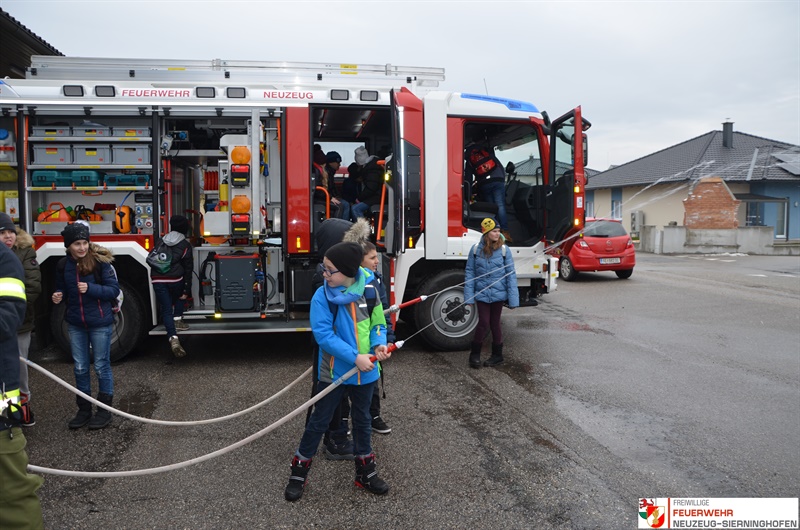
(444,321)
(566,270)
(624,275)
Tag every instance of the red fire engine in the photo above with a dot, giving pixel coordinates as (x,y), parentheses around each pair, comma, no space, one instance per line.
(127,143)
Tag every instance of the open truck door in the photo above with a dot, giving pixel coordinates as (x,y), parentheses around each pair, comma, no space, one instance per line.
(565,191)
(404,184)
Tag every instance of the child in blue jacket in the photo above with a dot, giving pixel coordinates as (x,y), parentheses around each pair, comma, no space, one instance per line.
(490,282)
(88,285)
(347,335)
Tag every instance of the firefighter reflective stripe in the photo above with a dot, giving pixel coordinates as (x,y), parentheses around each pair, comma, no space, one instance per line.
(11,395)
(8,398)
(12,287)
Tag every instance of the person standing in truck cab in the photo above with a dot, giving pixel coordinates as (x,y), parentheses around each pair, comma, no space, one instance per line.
(489,176)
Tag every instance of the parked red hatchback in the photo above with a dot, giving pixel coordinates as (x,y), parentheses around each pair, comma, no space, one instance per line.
(603,246)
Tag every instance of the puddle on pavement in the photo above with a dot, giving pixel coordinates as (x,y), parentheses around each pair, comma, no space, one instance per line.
(142,402)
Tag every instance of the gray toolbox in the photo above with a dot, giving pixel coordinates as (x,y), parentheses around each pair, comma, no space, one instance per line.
(52,154)
(131,154)
(130,132)
(49,131)
(91,131)
(91,154)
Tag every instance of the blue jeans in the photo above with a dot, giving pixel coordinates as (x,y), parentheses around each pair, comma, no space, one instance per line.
(100,339)
(360,399)
(169,300)
(344,209)
(359,210)
(495,192)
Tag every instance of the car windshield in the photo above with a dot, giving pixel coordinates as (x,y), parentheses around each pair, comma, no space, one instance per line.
(604,229)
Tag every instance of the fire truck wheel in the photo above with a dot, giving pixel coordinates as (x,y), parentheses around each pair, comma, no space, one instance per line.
(128,325)
(447,323)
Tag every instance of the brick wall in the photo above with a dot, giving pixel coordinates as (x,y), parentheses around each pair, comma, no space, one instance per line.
(710,205)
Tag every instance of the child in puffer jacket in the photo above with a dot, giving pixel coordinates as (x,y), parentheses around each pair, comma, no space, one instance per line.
(490,282)
(347,335)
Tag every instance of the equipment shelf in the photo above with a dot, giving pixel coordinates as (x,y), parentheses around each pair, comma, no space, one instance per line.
(102,139)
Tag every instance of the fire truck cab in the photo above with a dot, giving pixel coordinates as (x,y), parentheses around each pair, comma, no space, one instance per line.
(125,144)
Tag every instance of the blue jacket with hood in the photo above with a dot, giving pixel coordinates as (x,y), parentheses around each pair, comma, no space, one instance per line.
(92,308)
(490,279)
(352,332)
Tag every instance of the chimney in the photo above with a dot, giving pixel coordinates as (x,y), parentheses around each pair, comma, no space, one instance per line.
(727,134)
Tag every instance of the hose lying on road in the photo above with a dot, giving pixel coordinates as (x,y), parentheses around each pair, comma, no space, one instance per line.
(224,450)
(163,422)
(209,456)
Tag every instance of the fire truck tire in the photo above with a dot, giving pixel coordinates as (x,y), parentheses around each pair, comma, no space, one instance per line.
(128,325)
(447,323)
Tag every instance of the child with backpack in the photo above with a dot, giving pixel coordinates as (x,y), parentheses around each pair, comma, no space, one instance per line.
(86,281)
(171,267)
(347,334)
(490,282)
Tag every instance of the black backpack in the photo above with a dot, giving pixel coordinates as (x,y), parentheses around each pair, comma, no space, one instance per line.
(160,258)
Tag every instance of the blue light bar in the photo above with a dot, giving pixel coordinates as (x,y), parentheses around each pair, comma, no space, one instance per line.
(511,104)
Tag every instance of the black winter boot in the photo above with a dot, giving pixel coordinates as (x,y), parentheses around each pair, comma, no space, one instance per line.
(84,413)
(102,417)
(475,355)
(298,479)
(338,448)
(497,356)
(367,477)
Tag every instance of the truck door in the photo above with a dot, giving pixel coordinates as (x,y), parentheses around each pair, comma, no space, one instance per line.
(297,155)
(405,219)
(564,195)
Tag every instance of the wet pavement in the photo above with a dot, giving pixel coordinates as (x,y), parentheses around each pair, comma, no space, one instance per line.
(681,381)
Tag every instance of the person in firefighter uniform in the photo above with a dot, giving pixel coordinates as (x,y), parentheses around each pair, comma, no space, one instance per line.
(19,505)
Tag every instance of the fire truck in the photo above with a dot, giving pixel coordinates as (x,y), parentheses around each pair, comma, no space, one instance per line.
(126,143)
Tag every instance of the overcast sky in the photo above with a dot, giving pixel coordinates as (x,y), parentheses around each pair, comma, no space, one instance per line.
(648,75)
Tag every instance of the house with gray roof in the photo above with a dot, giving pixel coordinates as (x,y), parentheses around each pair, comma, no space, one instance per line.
(762,174)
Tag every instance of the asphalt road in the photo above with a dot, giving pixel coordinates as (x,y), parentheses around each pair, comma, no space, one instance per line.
(682,381)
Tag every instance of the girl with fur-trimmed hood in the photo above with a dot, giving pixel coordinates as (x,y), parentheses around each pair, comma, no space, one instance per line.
(88,283)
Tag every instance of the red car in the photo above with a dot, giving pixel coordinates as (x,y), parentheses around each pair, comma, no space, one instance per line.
(604,245)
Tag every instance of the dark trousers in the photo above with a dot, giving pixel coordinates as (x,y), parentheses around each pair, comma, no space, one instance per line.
(360,397)
(169,300)
(489,318)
